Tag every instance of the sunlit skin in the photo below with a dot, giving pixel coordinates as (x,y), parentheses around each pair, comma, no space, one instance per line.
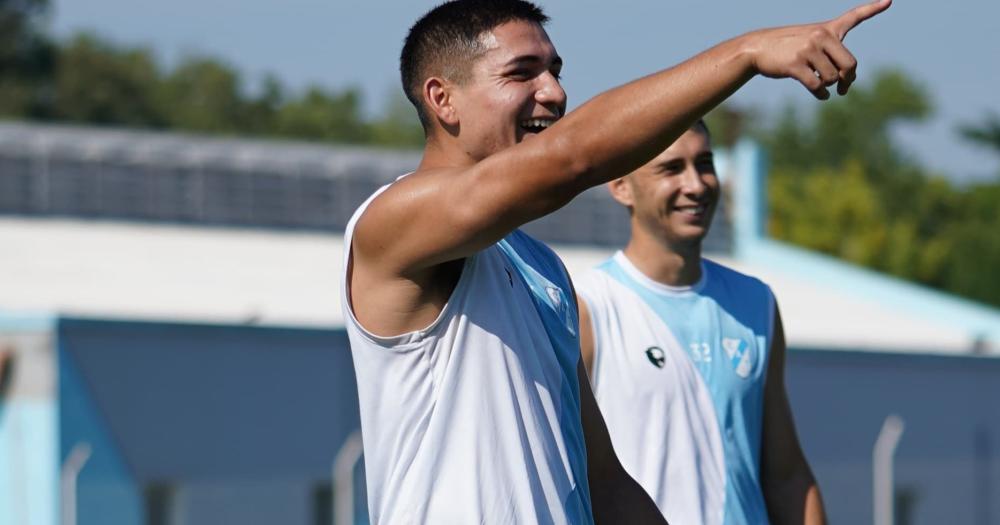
(671,200)
(514,82)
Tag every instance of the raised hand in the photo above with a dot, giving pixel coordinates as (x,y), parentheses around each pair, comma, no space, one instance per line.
(813,54)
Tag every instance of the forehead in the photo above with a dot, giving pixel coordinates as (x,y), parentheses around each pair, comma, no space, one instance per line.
(517,39)
(693,142)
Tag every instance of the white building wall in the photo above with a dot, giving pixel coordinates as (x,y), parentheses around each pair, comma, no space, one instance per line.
(229,275)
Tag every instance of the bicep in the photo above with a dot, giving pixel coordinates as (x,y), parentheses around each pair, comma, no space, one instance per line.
(782,452)
(586,336)
(600,453)
(440,215)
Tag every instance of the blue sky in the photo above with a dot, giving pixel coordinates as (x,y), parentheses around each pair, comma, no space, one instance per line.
(953,50)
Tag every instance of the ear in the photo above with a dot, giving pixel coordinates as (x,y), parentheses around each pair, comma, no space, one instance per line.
(438,98)
(621,190)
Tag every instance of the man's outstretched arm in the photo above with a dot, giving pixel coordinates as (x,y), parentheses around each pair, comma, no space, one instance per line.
(790,490)
(446,213)
(615,496)
(458,212)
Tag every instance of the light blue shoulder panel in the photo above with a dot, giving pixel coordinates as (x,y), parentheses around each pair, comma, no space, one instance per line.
(544,275)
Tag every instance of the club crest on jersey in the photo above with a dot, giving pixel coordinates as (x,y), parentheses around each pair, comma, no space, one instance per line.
(656,356)
(740,356)
(555,295)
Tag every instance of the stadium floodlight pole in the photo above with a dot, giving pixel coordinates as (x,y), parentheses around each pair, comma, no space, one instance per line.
(71,468)
(882,466)
(343,479)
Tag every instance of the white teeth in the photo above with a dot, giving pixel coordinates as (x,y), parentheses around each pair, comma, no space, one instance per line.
(536,123)
(693,209)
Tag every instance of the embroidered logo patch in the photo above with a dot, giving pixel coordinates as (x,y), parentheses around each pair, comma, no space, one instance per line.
(740,356)
(656,356)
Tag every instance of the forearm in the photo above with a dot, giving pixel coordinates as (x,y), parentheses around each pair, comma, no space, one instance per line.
(619,130)
(617,498)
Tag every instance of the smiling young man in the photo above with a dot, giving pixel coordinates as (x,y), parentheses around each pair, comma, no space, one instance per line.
(474,405)
(686,358)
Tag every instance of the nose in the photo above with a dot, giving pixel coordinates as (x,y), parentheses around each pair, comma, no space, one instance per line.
(691,182)
(550,93)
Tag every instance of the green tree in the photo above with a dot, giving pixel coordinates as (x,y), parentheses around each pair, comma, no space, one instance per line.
(99,84)
(398,126)
(986,133)
(840,185)
(322,115)
(856,129)
(836,211)
(204,95)
(26,58)
(972,268)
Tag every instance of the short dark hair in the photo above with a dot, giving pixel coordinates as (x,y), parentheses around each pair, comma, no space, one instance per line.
(447,40)
(704,126)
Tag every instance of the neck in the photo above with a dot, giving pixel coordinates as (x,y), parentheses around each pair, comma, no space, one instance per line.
(670,264)
(443,154)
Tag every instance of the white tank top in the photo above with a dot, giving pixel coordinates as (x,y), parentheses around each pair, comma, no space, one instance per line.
(476,418)
(679,374)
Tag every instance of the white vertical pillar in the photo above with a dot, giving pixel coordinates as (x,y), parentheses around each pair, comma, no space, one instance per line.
(71,468)
(882,467)
(343,479)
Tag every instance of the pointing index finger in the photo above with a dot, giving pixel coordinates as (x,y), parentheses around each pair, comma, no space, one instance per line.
(849,20)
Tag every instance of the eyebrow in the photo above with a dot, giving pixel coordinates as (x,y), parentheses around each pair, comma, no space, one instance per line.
(705,155)
(556,60)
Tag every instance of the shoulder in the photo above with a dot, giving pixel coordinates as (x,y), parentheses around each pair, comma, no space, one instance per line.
(535,254)
(596,288)
(398,196)
(735,281)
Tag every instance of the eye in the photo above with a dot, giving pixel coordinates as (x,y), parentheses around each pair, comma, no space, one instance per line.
(519,74)
(672,168)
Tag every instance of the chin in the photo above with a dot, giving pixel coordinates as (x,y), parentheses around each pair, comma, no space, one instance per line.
(689,236)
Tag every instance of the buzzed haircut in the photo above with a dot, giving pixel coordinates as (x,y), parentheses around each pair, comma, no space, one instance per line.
(704,127)
(447,41)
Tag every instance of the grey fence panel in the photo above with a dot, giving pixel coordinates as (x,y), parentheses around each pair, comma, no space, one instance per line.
(159,177)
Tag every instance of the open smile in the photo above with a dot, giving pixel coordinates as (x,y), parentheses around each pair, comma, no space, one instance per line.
(536,125)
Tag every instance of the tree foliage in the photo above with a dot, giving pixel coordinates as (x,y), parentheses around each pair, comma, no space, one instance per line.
(90,80)
(96,83)
(26,57)
(986,133)
(839,184)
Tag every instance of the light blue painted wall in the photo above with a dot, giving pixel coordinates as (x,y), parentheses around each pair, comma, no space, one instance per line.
(11,321)
(28,468)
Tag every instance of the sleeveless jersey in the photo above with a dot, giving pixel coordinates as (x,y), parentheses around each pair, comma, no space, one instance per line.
(679,376)
(476,418)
